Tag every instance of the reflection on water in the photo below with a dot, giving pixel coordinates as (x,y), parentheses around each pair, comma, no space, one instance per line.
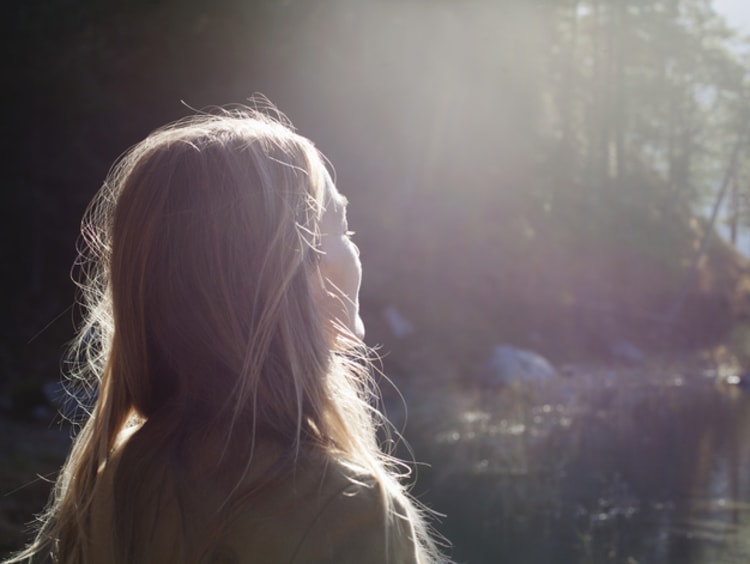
(606,466)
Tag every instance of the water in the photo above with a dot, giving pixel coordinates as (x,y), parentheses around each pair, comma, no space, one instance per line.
(605,466)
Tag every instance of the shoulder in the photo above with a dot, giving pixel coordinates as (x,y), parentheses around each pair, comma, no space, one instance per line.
(357,518)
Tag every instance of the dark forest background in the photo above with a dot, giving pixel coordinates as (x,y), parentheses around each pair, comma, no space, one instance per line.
(524,171)
(532,172)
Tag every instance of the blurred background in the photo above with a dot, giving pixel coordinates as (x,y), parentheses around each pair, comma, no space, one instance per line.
(552,199)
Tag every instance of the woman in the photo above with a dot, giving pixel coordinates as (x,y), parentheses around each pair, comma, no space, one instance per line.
(233,421)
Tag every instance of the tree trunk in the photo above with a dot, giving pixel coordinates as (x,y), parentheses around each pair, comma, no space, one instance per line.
(619,98)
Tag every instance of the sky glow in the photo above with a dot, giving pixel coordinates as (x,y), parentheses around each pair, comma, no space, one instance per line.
(736,12)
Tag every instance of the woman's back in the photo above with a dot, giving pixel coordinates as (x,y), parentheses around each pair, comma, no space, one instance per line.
(194,509)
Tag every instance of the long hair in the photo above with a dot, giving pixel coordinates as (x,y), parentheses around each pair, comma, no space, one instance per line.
(198,262)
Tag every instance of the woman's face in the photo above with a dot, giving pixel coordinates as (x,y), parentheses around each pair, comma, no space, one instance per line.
(340,267)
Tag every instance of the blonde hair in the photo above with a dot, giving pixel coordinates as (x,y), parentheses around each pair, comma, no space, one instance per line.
(198,303)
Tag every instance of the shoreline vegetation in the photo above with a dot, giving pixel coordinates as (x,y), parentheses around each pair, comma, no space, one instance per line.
(630,268)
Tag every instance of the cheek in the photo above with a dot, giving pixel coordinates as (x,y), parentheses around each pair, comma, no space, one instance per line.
(341,273)
(353,272)
(342,268)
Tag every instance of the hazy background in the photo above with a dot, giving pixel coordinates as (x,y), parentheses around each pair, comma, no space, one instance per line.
(536,148)
(539,175)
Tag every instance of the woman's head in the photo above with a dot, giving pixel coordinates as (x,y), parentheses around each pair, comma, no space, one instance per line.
(219,287)
(232,277)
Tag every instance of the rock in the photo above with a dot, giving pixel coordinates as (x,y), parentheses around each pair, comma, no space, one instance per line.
(508,364)
(42,414)
(742,381)
(626,352)
(397,323)
(5,401)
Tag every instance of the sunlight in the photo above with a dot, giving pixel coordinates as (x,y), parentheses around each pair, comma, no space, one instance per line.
(736,12)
